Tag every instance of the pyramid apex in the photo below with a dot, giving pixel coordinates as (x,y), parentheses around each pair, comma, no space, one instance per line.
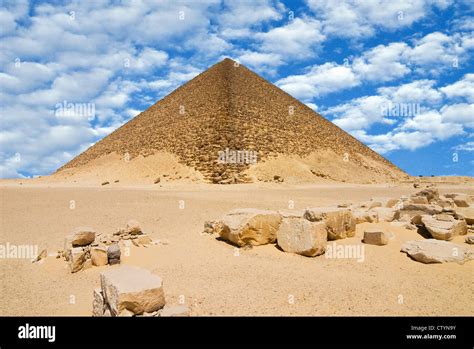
(228,60)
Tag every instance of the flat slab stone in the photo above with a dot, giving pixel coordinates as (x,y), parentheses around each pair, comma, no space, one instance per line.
(437,251)
(441,227)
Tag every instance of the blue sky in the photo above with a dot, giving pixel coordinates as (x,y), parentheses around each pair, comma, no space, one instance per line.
(352,61)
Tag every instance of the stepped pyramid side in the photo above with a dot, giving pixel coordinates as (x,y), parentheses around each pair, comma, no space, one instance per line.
(229,107)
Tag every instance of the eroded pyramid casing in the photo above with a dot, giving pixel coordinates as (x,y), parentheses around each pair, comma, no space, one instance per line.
(229,108)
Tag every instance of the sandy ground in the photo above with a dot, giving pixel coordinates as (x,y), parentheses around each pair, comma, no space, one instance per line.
(207,273)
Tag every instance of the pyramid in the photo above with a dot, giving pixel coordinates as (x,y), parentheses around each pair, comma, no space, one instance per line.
(228,109)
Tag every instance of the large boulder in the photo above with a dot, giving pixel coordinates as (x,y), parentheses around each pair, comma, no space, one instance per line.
(76,257)
(340,222)
(249,226)
(300,236)
(436,251)
(133,289)
(83,236)
(444,227)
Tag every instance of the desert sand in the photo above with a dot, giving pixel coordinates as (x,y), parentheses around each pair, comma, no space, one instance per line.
(211,276)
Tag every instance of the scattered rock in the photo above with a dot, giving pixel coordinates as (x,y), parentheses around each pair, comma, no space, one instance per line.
(419,200)
(158,180)
(133,227)
(210,227)
(250,226)
(99,256)
(437,251)
(143,240)
(87,264)
(127,243)
(345,205)
(384,214)
(374,203)
(340,222)
(105,183)
(133,289)
(445,202)
(67,244)
(113,254)
(427,209)
(469,239)
(375,236)
(174,311)
(444,217)
(278,179)
(460,200)
(386,201)
(76,258)
(83,236)
(42,255)
(431,194)
(416,185)
(247,247)
(300,236)
(362,215)
(445,227)
(413,212)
